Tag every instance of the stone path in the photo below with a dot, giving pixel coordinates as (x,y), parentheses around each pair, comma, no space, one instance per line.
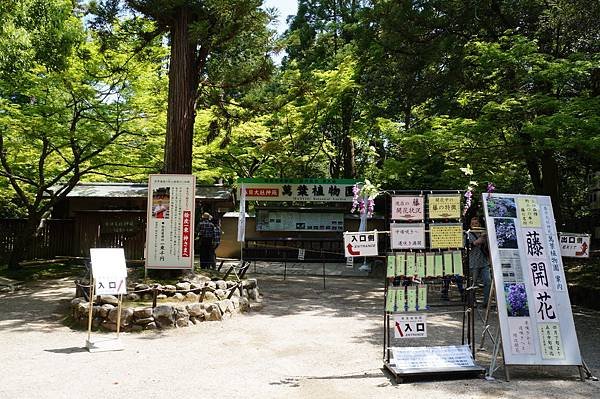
(303,342)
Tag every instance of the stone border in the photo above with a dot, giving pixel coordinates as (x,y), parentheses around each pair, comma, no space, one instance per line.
(218,303)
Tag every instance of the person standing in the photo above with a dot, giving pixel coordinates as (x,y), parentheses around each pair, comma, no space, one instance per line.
(207,235)
(479,265)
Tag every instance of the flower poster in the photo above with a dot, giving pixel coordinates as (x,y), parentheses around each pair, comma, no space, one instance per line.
(534,309)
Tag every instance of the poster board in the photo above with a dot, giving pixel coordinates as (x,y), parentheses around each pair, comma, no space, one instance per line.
(170,226)
(267,220)
(534,309)
(410,208)
(407,236)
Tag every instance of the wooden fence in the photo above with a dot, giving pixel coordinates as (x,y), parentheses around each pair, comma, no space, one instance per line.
(74,237)
(55,238)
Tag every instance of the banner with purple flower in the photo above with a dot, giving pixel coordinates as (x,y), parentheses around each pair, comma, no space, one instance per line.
(534,309)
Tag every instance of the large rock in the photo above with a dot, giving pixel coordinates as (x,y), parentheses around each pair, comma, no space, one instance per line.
(126,315)
(214,315)
(244,304)
(143,322)
(231,283)
(164,316)
(226,306)
(110,299)
(151,326)
(235,300)
(191,297)
(196,286)
(142,313)
(107,325)
(209,296)
(169,289)
(253,294)
(133,297)
(77,301)
(221,284)
(221,294)
(183,286)
(250,283)
(141,287)
(161,297)
(196,309)
(178,297)
(104,309)
(211,284)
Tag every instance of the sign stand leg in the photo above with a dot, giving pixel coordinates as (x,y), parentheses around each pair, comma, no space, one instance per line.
(493,367)
(91,308)
(119,308)
(486,329)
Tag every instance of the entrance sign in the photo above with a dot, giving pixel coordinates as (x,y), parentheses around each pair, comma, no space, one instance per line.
(410,326)
(574,245)
(438,358)
(407,207)
(444,206)
(407,236)
(170,227)
(322,190)
(360,244)
(109,271)
(534,309)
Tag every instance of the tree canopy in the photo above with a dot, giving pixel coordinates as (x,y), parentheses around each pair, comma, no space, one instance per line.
(404,94)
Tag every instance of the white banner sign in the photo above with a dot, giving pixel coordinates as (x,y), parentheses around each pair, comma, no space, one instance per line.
(360,244)
(408,207)
(407,236)
(170,227)
(534,309)
(574,245)
(109,271)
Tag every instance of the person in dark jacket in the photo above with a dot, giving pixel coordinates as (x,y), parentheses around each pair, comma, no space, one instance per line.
(208,236)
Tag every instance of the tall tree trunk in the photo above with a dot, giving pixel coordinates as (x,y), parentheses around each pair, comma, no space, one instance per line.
(550,182)
(349,159)
(183,82)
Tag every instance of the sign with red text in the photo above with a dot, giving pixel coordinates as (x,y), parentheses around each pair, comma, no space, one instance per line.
(170,227)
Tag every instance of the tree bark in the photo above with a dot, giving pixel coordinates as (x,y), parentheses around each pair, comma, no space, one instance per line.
(183,83)
(23,241)
(550,182)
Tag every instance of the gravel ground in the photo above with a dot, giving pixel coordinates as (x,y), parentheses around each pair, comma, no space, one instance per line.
(301,342)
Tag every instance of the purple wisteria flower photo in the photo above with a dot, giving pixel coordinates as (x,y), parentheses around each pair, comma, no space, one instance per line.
(516,300)
(506,233)
(503,207)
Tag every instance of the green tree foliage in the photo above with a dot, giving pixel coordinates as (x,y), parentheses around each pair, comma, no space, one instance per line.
(66,112)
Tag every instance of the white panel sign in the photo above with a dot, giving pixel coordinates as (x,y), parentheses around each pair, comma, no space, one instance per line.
(360,244)
(267,220)
(533,303)
(170,227)
(407,236)
(109,271)
(574,245)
